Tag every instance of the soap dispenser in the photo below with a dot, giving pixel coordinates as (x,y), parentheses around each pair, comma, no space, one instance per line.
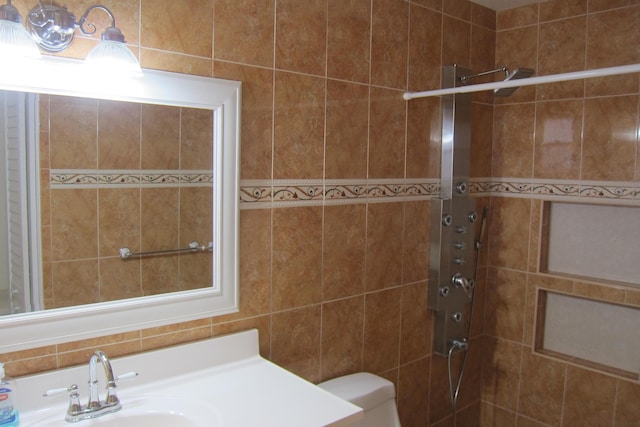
(8,411)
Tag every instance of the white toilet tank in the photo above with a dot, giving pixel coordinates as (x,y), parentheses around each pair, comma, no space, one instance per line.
(375,395)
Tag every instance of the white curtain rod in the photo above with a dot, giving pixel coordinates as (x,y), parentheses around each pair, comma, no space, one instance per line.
(552,78)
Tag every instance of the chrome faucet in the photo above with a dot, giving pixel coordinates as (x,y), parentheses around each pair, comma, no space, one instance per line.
(94,407)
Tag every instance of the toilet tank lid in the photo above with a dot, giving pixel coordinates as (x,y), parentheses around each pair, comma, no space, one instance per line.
(362,389)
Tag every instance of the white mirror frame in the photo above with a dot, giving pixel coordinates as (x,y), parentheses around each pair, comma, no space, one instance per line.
(69,77)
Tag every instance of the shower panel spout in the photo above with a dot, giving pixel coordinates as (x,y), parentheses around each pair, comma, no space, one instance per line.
(452,255)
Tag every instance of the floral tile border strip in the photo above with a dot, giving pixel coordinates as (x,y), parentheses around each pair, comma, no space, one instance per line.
(65,178)
(260,194)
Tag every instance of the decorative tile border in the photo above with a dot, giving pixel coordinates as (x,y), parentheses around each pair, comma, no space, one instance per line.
(260,194)
(67,178)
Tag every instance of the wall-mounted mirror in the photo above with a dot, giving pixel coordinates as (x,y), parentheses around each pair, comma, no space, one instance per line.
(118,202)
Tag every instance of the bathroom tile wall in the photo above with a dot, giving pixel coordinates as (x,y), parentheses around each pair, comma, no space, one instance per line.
(117,175)
(573,133)
(337,288)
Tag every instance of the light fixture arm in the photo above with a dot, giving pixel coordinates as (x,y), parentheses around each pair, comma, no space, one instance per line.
(92,28)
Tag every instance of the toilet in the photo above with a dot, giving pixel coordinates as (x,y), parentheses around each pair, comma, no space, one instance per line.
(375,395)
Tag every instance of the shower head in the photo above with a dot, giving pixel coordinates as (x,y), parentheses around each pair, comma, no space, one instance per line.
(518,73)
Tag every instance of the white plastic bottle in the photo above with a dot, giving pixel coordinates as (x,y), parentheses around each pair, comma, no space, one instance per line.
(8,411)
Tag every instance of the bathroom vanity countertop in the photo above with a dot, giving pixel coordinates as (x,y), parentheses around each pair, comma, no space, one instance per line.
(227,373)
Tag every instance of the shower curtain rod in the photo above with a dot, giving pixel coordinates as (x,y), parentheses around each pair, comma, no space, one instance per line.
(530,81)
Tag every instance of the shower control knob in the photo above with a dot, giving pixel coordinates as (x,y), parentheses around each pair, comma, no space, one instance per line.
(460,229)
(461,282)
(472,217)
(444,291)
(461,187)
(459,245)
(456,317)
(447,220)
(459,260)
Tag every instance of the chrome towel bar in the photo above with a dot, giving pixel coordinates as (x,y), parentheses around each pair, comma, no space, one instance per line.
(193,247)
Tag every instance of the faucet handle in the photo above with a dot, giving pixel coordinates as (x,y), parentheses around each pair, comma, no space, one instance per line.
(126,376)
(54,391)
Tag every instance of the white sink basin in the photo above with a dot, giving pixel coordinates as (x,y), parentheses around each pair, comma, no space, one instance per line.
(148,411)
(220,382)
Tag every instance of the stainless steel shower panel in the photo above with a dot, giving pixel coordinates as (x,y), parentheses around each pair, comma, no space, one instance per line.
(452,260)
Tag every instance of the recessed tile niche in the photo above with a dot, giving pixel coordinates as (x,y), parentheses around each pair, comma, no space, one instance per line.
(592,241)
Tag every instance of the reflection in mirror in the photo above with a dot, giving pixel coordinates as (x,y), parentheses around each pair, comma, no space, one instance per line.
(111,175)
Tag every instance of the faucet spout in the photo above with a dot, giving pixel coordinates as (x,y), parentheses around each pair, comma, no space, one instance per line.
(94,399)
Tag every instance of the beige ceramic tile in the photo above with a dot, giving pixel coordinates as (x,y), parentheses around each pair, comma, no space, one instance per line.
(413,392)
(382,330)
(481,140)
(456,45)
(508,233)
(387,134)
(119,219)
(425,46)
(415,260)
(74,224)
(185,26)
(620,28)
(460,9)
(349,40)
(558,9)
(196,139)
(296,341)
(423,138)
(416,326)
(505,304)
(558,139)
(301,35)
(75,282)
(517,17)
(175,62)
(513,144)
(297,257)
(627,409)
(343,251)
(119,279)
(243,31)
(501,373)
(562,46)
(389,43)
(483,16)
(160,137)
(588,398)
(602,5)
(118,135)
(541,388)
(347,125)
(384,245)
(73,136)
(298,126)
(342,324)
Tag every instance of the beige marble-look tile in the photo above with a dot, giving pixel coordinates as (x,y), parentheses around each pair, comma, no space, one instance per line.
(415,260)
(196,139)
(424,127)
(347,126)
(413,393)
(599,292)
(185,26)
(559,9)
(416,326)
(384,245)
(439,400)
(349,40)
(611,37)
(343,251)
(483,16)
(517,17)
(118,135)
(297,257)
(382,330)
(456,41)
(541,388)
(513,144)
(501,373)
(296,341)
(74,224)
(481,140)
(425,46)
(243,31)
(387,134)
(482,58)
(389,43)
(160,137)
(75,282)
(298,126)
(588,398)
(505,304)
(257,117)
(301,34)
(508,233)
(517,48)
(176,62)
(460,9)
(159,219)
(342,325)
(558,139)
(119,220)
(261,323)
(610,138)
(602,5)
(73,132)
(627,409)
(160,275)
(119,279)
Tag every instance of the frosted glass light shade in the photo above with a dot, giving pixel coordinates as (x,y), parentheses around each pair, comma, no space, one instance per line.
(15,41)
(113,57)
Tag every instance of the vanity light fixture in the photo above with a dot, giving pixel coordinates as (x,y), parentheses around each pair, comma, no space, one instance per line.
(53,28)
(15,40)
